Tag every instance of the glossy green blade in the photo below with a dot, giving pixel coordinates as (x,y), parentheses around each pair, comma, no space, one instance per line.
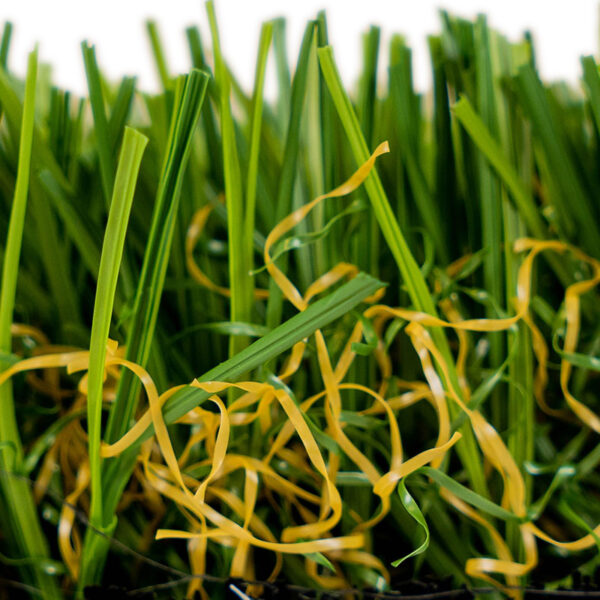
(406,111)
(491,225)
(22,519)
(190,91)
(12,112)
(254,149)
(591,78)
(366,240)
(190,96)
(239,259)
(130,158)
(467,495)
(12,253)
(412,508)
(289,168)
(284,79)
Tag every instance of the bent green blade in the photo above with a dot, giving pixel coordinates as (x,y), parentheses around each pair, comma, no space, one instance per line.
(274,343)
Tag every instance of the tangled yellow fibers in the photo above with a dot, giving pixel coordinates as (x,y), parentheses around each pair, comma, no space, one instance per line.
(162,473)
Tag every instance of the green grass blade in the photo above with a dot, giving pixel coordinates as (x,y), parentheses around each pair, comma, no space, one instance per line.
(242,300)
(189,95)
(407,115)
(287,177)
(389,226)
(213,139)
(105,157)
(80,232)
(366,243)
(284,80)
(141,329)
(521,196)
(120,112)
(367,88)
(591,78)
(5,44)
(12,110)
(572,200)
(492,150)
(254,150)
(467,495)
(409,269)
(412,508)
(22,518)
(130,158)
(446,179)
(490,199)
(159,54)
(312,128)
(329,133)
(17,219)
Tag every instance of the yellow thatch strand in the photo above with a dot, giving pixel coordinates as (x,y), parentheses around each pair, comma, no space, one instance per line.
(262,403)
(193,234)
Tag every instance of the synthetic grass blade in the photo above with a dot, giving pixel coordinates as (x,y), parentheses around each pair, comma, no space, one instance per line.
(366,242)
(120,112)
(412,508)
(189,98)
(389,226)
(130,158)
(100,120)
(22,519)
(467,495)
(287,177)
(254,150)
(409,270)
(5,44)
(189,95)
(4,47)
(571,199)
(159,54)
(406,117)
(12,111)
(522,198)
(493,152)
(239,259)
(591,77)
(490,199)
(283,72)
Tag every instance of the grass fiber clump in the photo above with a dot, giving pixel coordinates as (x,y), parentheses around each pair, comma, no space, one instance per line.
(339,340)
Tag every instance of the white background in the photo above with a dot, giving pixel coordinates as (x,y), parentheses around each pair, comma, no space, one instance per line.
(563,31)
